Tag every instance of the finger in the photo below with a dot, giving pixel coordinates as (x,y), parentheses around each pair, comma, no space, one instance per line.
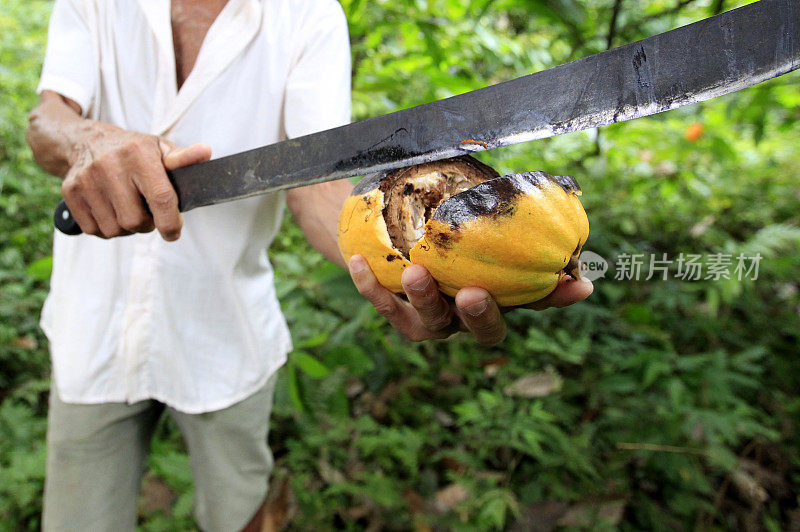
(143,159)
(423,294)
(384,301)
(178,157)
(132,215)
(481,315)
(400,314)
(82,214)
(103,213)
(567,292)
(161,198)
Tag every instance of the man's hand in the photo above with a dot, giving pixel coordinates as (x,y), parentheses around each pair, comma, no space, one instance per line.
(114,171)
(107,170)
(427,314)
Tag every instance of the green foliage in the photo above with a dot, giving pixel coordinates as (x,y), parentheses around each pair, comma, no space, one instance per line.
(663,394)
(26,196)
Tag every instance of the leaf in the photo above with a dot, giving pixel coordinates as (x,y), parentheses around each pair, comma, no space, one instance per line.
(748,487)
(653,370)
(450,496)
(534,385)
(352,357)
(295,389)
(310,365)
(174,468)
(494,512)
(184,504)
(315,341)
(492,367)
(284,286)
(639,314)
(40,269)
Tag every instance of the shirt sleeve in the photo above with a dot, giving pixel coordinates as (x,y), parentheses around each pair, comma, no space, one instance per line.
(318,87)
(70,64)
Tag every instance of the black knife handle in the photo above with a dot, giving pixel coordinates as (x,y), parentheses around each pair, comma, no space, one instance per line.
(64,221)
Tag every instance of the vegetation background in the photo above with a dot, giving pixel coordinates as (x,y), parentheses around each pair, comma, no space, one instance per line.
(660,404)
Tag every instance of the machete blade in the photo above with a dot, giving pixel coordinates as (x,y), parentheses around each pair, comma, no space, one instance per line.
(703,60)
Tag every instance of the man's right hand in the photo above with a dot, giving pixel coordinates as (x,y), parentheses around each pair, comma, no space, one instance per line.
(109,173)
(115,172)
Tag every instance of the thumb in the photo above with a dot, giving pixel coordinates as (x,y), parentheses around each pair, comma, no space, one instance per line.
(174,157)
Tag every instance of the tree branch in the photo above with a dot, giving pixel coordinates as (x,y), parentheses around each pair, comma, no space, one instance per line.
(612,25)
(612,32)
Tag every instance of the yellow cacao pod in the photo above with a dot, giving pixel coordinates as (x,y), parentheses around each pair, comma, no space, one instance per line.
(515,236)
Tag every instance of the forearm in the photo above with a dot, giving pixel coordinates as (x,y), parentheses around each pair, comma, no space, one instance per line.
(56,133)
(316,209)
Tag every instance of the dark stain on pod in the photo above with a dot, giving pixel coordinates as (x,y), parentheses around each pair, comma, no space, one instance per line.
(445,240)
(539,179)
(497,197)
(493,198)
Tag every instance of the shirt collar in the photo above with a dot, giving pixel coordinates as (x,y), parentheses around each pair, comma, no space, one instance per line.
(235,27)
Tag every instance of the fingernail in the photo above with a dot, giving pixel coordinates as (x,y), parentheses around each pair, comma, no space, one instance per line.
(357,264)
(476,309)
(420,283)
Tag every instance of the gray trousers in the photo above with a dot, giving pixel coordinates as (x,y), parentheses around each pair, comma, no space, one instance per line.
(96,453)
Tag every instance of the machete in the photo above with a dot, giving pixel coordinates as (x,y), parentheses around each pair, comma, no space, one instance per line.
(693,63)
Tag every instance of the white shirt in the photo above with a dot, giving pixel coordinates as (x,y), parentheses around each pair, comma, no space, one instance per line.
(193,323)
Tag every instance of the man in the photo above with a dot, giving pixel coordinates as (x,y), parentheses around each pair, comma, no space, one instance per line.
(185,319)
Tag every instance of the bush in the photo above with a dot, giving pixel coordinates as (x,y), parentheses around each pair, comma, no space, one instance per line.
(656,404)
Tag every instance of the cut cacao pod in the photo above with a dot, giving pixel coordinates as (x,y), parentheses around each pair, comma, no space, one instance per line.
(515,236)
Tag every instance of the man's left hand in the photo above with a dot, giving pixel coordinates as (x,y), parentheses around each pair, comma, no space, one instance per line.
(427,314)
